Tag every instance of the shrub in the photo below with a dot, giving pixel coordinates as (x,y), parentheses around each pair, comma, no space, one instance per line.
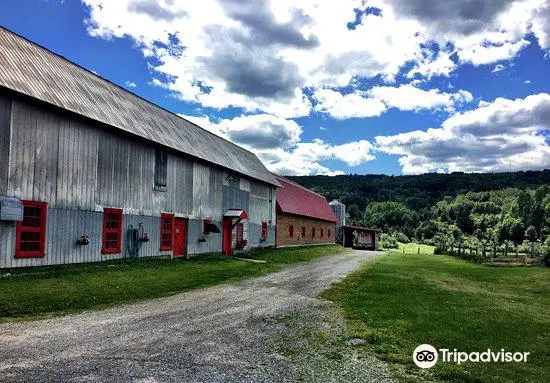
(400,237)
(388,242)
(439,250)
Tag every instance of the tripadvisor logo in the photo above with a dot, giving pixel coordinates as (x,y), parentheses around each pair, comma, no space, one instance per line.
(426,356)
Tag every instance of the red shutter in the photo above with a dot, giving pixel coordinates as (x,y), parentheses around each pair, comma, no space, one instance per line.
(322,232)
(112,231)
(303,231)
(312,232)
(291,231)
(166,231)
(30,241)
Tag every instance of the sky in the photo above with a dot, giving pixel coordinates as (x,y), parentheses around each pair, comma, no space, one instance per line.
(327,87)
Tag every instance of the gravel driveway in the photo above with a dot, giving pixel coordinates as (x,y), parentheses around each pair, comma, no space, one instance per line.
(258,330)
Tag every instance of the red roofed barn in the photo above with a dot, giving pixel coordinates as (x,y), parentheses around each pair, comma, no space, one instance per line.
(303,217)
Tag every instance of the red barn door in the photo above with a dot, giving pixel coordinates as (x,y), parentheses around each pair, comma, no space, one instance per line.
(180,230)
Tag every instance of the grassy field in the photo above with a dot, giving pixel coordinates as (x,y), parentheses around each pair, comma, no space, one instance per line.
(400,301)
(39,292)
(413,248)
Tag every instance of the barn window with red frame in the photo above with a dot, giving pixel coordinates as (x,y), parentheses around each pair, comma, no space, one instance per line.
(264,230)
(31,232)
(166,231)
(112,231)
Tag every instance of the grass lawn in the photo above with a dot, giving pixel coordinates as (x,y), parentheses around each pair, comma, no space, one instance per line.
(413,248)
(400,301)
(57,290)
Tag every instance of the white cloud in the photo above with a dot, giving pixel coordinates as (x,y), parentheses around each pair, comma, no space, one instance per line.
(527,82)
(408,97)
(354,153)
(378,99)
(431,66)
(262,55)
(342,106)
(277,142)
(503,135)
(498,68)
(130,84)
(304,158)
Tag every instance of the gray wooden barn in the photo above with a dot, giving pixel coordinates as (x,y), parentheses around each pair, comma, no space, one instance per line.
(92,172)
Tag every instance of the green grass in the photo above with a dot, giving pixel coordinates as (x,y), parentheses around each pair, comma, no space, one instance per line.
(38,292)
(412,248)
(403,300)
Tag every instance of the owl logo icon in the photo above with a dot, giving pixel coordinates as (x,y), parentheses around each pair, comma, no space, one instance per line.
(425,356)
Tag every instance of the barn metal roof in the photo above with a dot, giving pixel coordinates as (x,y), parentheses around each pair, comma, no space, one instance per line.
(296,199)
(33,70)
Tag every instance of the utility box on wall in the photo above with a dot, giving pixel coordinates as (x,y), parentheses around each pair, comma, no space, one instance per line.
(11,209)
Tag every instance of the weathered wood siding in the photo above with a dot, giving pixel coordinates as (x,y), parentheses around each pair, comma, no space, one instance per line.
(78,168)
(5,117)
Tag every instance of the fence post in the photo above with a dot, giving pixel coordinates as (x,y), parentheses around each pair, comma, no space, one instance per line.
(418,250)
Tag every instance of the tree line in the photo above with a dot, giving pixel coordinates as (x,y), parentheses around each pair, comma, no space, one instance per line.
(489,212)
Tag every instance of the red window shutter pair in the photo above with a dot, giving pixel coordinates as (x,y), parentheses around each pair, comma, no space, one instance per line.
(30,241)
(112,231)
(166,231)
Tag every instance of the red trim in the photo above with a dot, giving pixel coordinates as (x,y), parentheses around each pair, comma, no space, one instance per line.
(264,230)
(227,236)
(166,228)
(241,215)
(22,228)
(110,215)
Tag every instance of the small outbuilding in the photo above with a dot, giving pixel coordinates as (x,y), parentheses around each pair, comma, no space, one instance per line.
(360,237)
(303,216)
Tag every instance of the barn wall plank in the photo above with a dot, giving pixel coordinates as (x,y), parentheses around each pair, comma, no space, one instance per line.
(5,138)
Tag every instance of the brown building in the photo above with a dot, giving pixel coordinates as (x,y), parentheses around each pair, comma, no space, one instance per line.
(303,217)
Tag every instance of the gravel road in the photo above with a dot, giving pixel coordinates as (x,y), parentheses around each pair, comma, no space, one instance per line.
(258,330)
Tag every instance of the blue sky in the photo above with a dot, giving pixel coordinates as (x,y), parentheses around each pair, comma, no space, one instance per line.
(350,87)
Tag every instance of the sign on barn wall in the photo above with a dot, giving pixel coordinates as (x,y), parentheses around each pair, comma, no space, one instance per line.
(11,209)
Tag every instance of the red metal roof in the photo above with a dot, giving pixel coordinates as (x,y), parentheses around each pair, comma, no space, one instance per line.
(296,199)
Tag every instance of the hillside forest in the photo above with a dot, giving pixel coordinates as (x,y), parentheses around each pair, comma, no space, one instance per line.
(486,214)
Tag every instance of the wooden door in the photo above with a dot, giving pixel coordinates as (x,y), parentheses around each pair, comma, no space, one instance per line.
(180,232)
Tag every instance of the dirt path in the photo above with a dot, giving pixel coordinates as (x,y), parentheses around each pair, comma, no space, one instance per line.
(258,330)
